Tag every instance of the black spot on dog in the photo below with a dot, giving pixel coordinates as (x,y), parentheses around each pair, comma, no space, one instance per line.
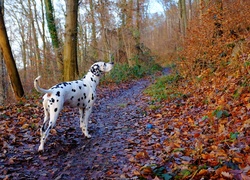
(71,97)
(52,100)
(88,101)
(43,128)
(84,85)
(93,97)
(58,93)
(73,90)
(79,99)
(78,104)
(80,87)
(91,79)
(85,96)
(55,109)
(50,127)
(57,100)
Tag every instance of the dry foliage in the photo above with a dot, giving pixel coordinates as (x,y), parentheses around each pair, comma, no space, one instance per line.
(204,134)
(217,41)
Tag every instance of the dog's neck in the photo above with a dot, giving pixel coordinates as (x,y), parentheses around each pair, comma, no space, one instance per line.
(93,79)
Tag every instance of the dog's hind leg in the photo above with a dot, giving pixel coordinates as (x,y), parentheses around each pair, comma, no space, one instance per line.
(46,118)
(45,131)
(84,116)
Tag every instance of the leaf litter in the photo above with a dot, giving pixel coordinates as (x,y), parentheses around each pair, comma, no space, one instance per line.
(178,139)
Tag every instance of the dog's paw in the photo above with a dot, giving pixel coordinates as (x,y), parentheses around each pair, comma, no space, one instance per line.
(40,149)
(88,136)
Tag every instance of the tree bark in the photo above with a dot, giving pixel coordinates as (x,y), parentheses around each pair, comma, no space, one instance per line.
(33,29)
(70,44)
(183,16)
(94,43)
(9,60)
(49,10)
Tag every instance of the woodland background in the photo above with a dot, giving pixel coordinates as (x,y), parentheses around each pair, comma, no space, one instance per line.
(194,122)
(61,39)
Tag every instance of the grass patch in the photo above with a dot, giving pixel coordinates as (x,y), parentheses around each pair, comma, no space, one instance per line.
(165,87)
(122,72)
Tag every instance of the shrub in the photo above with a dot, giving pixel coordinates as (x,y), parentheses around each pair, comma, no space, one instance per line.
(165,87)
(123,73)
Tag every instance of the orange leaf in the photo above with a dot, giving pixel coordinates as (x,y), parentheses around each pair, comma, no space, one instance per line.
(137,173)
(141,155)
(238,160)
(158,115)
(202,172)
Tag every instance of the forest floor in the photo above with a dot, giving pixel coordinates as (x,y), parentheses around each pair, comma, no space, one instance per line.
(116,116)
(133,137)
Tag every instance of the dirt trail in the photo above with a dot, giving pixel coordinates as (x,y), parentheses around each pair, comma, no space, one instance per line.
(104,155)
(68,154)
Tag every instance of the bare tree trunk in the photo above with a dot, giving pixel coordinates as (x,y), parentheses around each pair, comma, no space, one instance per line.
(9,60)
(183,16)
(70,49)
(53,33)
(42,34)
(103,19)
(3,83)
(93,28)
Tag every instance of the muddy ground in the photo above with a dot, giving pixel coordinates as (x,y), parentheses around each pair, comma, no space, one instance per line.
(68,154)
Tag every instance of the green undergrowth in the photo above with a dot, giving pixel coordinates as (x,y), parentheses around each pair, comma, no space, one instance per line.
(164,87)
(123,73)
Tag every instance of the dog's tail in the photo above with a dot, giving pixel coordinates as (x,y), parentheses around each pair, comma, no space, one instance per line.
(38,88)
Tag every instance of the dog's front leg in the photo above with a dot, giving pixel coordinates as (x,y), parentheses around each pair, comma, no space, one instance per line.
(84,116)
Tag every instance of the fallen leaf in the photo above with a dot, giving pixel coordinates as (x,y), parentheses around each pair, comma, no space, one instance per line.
(226,174)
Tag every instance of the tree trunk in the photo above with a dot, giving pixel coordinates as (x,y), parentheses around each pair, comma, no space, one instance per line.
(9,60)
(3,84)
(36,45)
(49,10)
(70,49)
(93,28)
(183,16)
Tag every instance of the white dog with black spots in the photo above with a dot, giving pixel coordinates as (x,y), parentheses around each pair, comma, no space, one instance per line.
(80,93)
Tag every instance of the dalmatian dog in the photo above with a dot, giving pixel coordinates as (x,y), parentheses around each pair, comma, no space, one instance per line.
(80,93)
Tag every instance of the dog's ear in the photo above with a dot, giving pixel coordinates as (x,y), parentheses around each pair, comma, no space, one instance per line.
(95,69)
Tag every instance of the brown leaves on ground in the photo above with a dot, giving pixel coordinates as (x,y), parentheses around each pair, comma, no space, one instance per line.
(204,135)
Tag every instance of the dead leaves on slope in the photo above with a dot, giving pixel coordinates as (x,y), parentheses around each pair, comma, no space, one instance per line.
(204,136)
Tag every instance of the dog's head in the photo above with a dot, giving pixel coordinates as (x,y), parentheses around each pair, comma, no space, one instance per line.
(101,67)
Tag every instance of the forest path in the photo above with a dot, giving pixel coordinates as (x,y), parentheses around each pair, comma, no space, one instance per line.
(68,154)
(105,154)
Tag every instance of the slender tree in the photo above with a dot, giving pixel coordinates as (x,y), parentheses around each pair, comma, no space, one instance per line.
(183,16)
(70,44)
(93,28)
(49,11)
(9,59)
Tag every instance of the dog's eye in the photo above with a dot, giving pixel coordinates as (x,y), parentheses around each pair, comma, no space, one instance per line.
(105,64)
